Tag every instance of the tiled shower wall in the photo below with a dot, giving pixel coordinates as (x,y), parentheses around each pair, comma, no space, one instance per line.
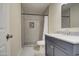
(31,35)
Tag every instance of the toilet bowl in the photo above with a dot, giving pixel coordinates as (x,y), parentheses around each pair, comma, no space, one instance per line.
(41,45)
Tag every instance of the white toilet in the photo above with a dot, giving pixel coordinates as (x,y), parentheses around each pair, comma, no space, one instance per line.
(41,45)
(41,42)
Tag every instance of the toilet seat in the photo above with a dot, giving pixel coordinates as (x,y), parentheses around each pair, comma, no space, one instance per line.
(41,42)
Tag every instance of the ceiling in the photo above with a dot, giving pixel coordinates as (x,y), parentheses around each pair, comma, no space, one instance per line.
(67,6)
(35,8)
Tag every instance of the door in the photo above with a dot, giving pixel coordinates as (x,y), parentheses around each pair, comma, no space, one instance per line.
(49,48)
(15,28)
(10,23)
(3,29)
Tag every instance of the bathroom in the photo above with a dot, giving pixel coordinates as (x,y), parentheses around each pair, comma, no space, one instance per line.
(39,29)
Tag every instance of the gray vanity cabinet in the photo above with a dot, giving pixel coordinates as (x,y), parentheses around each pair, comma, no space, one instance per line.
(57,47)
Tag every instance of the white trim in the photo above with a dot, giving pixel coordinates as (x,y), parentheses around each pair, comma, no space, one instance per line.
(20,51)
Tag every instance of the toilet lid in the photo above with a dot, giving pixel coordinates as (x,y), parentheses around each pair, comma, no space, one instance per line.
(40,42)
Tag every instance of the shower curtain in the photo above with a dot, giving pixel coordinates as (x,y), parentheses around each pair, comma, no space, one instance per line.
(45,30)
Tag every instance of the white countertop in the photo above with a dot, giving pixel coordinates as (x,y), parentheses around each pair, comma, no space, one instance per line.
(71,39)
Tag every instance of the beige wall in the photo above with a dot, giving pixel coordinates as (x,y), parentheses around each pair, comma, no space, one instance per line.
(32,35)
(74,15)
(54,21)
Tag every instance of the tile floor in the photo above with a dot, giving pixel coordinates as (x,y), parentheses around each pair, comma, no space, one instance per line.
(31,50)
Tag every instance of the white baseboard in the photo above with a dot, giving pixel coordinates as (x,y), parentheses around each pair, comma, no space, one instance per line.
(20,51)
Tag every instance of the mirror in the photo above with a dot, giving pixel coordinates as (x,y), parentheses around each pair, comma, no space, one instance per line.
(70,15)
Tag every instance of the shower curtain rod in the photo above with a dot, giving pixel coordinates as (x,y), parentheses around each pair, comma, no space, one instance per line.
(32,14)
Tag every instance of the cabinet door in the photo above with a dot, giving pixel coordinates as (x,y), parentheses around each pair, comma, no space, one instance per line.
(49,48)
(58,52)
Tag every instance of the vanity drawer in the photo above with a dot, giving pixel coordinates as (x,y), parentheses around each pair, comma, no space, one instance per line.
(64,45)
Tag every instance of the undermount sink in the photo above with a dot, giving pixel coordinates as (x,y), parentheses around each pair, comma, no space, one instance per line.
(69,33)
